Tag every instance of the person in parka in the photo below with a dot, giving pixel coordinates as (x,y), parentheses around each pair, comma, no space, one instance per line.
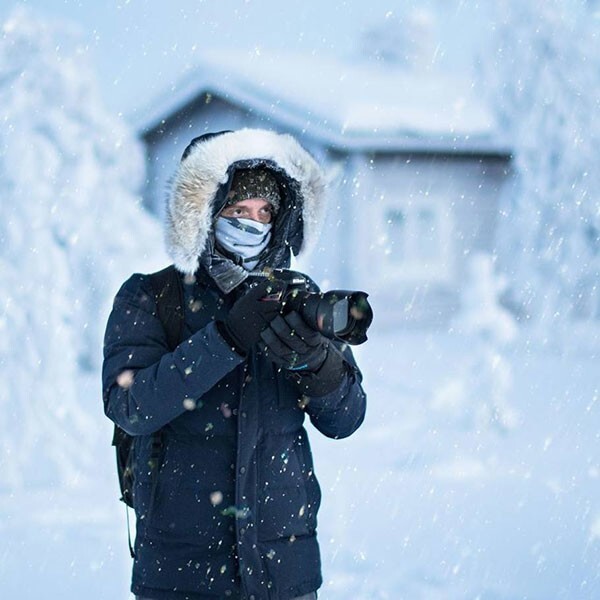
(232,512)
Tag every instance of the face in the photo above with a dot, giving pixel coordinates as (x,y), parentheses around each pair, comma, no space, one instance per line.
(257,209)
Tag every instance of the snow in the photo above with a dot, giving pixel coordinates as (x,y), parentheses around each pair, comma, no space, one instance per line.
(421,505)
(541,76)
(428,500)
(70,176)
(482,390)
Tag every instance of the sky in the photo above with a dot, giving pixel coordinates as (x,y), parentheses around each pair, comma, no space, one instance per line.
(139,48)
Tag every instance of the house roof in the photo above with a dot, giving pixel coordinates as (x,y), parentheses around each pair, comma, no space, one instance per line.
(360,106)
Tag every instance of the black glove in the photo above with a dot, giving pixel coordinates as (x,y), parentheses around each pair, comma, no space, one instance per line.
(250,314)
(314,363)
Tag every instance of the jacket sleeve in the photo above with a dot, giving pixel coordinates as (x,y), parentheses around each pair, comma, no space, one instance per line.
(145,385)
(341,412)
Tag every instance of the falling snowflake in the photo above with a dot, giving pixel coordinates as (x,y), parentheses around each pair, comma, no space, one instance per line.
(125,379)
(216,498)
(189,404)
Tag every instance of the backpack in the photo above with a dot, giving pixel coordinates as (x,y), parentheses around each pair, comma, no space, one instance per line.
(168,292)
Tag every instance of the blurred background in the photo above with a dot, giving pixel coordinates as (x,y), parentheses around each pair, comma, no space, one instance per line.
(460,142)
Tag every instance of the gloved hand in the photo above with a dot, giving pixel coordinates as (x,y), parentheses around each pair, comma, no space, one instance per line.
(316,365)
(250,314)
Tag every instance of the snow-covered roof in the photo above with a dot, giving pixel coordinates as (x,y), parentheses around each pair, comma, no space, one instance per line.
(359,106)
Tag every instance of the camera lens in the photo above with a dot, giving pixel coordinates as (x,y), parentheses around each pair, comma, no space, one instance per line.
(342,319)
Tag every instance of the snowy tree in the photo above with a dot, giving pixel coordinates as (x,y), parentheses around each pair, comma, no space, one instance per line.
(543,77)
(478,396)
(71,229)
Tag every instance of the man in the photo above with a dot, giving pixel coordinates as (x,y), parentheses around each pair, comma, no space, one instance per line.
(231,511)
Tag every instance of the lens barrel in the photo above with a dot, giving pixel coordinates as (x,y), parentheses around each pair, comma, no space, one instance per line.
(338,314)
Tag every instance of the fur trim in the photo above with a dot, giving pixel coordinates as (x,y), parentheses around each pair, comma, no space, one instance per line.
(198,177)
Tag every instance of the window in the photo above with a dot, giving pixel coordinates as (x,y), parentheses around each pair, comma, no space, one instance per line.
(414,237)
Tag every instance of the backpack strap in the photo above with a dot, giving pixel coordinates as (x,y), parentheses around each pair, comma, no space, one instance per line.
(168,292)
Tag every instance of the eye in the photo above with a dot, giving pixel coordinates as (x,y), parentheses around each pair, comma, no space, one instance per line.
(265,215)
(232,211)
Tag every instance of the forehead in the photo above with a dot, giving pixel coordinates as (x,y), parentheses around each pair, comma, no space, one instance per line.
(250,203)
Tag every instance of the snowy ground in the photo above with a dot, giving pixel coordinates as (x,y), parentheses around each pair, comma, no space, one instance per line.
(422,503)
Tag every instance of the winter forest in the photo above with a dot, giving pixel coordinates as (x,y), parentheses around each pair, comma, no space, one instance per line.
(477,471)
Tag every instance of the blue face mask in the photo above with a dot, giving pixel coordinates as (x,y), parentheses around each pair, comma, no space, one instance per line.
(243,237)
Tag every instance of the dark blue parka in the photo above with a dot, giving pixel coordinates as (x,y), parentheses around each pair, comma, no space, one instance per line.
(233,511)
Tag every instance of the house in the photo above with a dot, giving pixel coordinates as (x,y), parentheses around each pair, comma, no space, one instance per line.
(415,163)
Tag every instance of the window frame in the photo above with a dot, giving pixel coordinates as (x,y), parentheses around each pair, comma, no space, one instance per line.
(412,269)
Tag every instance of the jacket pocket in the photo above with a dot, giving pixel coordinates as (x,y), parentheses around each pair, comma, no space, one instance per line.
(185,505)
(185,514)
(288,493)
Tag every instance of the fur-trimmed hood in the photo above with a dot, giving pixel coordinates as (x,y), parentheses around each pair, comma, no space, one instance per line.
(200,184)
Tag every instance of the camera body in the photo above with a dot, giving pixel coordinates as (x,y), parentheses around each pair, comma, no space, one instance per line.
(343,315)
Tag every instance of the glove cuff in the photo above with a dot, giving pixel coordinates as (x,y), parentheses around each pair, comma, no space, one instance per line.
(230,339)
(327,379)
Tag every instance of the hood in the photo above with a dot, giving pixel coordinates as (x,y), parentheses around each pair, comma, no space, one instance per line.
(201,182)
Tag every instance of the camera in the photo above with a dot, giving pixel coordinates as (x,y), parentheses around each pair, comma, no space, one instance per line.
(338,314)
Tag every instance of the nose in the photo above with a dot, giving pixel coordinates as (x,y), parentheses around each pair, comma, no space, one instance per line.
(255,214)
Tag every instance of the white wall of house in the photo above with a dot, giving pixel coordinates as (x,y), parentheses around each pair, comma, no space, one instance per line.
(406,225)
